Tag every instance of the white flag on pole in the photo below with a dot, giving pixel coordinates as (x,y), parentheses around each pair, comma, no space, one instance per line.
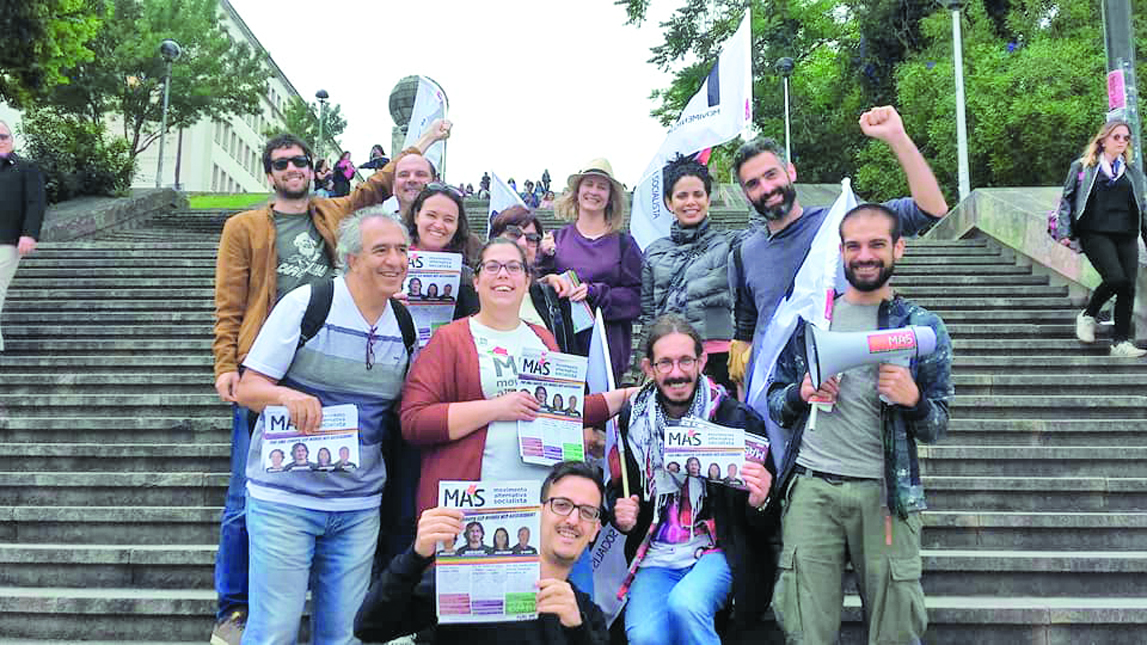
(717,113)
(429,104)
(501,196)
(607,554)
(819,277)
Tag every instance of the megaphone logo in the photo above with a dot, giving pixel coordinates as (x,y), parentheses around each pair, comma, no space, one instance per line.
(833,352)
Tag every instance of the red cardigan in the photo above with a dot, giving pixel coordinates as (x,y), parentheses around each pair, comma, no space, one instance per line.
(446,372)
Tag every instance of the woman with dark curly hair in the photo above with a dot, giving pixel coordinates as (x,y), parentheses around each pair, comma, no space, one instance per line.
(437,222)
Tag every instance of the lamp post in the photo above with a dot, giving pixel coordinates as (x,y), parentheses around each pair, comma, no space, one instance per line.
(961,119)
(785,68)
(170,51)
(322,96)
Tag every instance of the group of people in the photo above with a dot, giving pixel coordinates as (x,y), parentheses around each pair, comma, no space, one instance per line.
(335,181)
(702,553)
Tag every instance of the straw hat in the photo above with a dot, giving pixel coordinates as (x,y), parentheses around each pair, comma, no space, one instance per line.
(600,167)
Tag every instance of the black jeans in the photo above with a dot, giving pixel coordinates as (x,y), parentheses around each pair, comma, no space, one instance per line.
(1116,258)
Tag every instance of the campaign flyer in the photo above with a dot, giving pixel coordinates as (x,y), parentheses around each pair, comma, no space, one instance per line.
(333,447)
(489,573)
(432,290)
(704,449)
(557,381)
(581,312)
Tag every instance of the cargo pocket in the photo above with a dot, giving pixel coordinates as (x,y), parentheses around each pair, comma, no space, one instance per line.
(786,596)
(904,617)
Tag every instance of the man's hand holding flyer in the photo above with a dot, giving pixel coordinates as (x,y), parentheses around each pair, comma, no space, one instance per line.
(704,449)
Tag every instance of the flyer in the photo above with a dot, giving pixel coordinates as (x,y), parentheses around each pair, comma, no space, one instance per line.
(581,312)
(557,381)
(432,290)
(489,574)
(331,448)
(705,449)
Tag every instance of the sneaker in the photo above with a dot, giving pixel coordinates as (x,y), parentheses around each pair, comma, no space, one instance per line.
(229,630)
(1127,350)
(1085,327)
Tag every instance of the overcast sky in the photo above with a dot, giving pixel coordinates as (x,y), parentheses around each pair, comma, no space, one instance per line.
(531,84)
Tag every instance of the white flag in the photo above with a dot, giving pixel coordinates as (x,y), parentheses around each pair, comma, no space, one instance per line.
(717,113)
(429,104)
(819,277)
(607,554)
(501,196)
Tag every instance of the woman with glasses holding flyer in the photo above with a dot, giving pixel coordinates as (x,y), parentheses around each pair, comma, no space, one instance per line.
(544,307)
(1101,206)
(437,223)
(687,272)
(606,260)
(461,402)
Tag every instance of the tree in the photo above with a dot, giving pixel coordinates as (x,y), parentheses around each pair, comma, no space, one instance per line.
(301,120)
(215,77)
(39,38)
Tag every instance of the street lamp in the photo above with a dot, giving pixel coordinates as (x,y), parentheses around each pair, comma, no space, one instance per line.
(170,51)
(961,119)
(322,96)
(785,67)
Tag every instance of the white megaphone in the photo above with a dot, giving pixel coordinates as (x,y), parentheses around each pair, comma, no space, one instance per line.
(833,352)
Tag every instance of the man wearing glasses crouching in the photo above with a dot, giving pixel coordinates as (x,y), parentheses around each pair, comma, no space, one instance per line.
(401,601)
(693,542)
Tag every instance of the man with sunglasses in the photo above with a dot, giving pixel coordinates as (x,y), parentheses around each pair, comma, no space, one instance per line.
(402,599)
(21,210)
(264,254)
(692,542)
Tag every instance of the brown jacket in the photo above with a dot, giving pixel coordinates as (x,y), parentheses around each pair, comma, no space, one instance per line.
(245,274)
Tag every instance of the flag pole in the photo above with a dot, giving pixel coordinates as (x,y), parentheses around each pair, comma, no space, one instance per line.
(599,329)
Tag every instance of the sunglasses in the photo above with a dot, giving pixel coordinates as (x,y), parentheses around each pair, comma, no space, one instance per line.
(1121,137)
(515,232)
(301,161)
(437,185)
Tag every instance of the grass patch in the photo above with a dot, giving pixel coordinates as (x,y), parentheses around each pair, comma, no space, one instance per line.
(240,200)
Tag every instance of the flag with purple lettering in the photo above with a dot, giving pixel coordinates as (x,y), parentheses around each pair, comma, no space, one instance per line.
(607,555)
(717,113)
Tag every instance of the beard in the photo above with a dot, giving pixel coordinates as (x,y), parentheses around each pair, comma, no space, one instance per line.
(678,381)
(282,190)
(788,195)
(866,286)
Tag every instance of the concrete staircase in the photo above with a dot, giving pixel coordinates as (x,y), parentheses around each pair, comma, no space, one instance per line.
(118,451)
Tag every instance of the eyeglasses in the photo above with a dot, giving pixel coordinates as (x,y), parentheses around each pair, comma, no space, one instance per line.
(565,507)
(513,267)
(1121,137)
(370,338)
(437,185)
(665,365)
(301,161)
(515,232)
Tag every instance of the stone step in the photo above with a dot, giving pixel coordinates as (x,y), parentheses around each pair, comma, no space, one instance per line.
(970,331)
(1025,347)
(1034,461)
(989,303)
(1019,493)
(117,430)
(173,382)
(978,407)
(159,349)
(1032,384)
(195,363)
(66,307)
(112,489)
(142,318)
(139,566)
(37,262)
(934,280)
(105,330)
(117,458)
(101,271)
(71,615)
(1060,364)
(907,271)
(101,525)
(113,293)
(1047,531)
(1044,432)
(121,400)
(1020,293)
(103,249)
(954,264)
(127,284)
(1012,316)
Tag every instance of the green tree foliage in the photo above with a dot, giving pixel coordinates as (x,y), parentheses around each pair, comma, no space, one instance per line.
(77,157)
(302,120)
(39,38)
(215,77)
(1034,81)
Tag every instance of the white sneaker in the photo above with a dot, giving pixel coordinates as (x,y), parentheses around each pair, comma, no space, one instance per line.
(1127,350)
(1085,327)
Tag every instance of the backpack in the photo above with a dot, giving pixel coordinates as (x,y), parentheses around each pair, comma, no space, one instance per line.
(319,307)
(1053,227)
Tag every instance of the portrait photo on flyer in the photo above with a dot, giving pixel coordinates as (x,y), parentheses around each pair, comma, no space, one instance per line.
(333,447)
(703,449)
(489,573)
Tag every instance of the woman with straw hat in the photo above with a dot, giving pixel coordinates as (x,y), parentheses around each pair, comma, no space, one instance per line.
(606,260)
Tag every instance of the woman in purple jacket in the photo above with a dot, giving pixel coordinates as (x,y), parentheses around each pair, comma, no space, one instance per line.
(607,260)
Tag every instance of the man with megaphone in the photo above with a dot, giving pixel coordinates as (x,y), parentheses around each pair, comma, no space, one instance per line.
(849,485)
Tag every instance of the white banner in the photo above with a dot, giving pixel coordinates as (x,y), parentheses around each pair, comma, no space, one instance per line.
(429,104)
(501,197)
(717,113)
(819,277)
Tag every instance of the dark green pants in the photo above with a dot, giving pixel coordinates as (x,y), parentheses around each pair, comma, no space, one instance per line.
(823,525)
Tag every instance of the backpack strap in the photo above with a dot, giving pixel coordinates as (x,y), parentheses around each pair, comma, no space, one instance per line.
(406,325)
(318,308)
